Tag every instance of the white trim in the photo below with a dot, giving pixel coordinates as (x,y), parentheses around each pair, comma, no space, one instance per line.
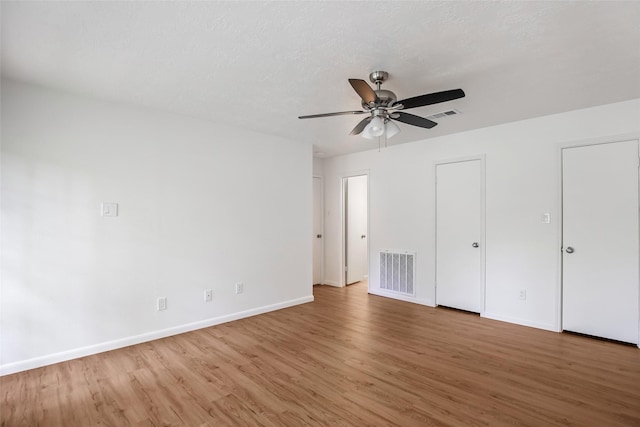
(343,243)
(612,139)
(49,359)
(392,295)
(559,230)
(459,159)
(356,173)
(599,140)
(483,224)
(518,321)
(332,283)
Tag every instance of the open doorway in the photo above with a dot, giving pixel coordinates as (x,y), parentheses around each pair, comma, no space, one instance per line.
(356,228)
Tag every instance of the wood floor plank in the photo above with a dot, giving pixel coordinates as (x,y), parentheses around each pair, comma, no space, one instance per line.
(347,359)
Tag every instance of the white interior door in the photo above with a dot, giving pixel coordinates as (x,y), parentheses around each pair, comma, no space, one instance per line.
(318,246)
(357,263)
(600,240)
(458,235)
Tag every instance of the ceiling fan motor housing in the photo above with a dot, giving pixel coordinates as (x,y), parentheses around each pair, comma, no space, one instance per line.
(378,77)
(385,97)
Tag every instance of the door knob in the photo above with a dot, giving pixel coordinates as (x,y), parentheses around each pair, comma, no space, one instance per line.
(319,236)
(475,244)
(569,250)
(363,237)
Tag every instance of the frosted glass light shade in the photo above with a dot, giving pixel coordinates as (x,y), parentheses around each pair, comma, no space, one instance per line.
(392,129)
(366,134)
(374,129)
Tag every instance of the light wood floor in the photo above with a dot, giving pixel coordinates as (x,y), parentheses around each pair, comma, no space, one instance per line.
(348,359)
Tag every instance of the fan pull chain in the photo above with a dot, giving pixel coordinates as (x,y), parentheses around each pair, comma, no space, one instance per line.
(385,138)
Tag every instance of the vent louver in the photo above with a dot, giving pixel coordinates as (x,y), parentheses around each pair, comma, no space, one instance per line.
(443,114)
(397,272)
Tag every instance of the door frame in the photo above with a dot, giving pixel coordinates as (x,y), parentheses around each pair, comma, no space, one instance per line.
(575,144)
(321,226)
(482,159)
(343,218)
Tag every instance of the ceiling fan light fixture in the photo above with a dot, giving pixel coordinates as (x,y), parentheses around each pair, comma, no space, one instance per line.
(367,135)
(374,129)
(392,129)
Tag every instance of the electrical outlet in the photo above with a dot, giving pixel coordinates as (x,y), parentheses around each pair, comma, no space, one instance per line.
(208,295)
(162,303)
(239,288)
(523,294)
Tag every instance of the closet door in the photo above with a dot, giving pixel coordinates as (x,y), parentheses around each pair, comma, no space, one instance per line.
(458,235)
(600,286)
(318,246)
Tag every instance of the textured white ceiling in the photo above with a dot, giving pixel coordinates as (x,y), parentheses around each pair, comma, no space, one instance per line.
(259,65)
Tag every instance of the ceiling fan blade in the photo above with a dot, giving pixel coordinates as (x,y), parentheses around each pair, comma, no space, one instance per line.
(431,98)
(414,120)
(341,113)
(360,126)
(364,90)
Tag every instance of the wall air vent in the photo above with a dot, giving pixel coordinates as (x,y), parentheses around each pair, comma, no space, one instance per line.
(442,114)
(398,272)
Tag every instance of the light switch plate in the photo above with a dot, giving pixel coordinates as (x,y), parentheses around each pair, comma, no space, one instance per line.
(546,218)
(109,209)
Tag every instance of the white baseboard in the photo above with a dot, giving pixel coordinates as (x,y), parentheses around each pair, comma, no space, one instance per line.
(488,315)
(332,283)
(546,326)
(37,362)
(393,295)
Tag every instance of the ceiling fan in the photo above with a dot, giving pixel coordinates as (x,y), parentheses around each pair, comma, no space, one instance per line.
(383,107)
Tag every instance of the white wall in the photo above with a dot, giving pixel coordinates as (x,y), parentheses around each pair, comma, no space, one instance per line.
(201,205)
(522,182)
